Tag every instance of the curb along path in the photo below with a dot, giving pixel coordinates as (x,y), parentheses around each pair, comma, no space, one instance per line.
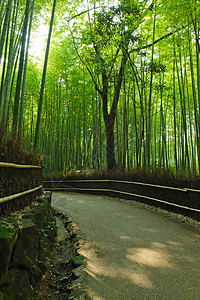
(65,276)
(132,252)
(66,226)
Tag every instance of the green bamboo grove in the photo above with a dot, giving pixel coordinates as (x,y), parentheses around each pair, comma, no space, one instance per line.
(121,88)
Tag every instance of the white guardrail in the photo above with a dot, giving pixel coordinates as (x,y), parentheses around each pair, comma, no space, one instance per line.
(18,166)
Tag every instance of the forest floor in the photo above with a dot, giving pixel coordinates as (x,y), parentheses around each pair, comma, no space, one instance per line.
(134,251)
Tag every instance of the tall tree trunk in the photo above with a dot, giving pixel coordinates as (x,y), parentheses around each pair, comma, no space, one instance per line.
(183,105)
(20,71)
(11,87)
(174,111)
(150,100)
(117,138)
(109,119)
(44,77)
(25,71)
(97,131)
(3,75)
(124,128)
(13,53)
(2,3)
(111,162)
(5,27)
(195,95)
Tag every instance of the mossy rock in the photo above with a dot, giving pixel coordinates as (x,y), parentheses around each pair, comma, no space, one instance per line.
(78,271)
(47,196)
(51,231)
(8,237)
(43,200)
(8,293)
(78,260)
(51,214)
(47,239)
(13,284)
(77,294)
(76,284)
(45,245)
(10,275)
(1,295)
(25,251)
(41,265)
(46,242)
(39,215)
(22,286)
(35,276)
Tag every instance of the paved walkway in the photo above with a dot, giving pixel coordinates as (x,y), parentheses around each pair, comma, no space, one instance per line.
(132,252)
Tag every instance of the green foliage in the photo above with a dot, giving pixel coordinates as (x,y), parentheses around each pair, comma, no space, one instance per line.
(72,133)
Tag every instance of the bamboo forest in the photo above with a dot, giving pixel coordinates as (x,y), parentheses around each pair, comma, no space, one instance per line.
(103,84)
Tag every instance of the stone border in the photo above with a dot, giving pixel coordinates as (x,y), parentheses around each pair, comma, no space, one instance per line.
(26,240)
(78,284)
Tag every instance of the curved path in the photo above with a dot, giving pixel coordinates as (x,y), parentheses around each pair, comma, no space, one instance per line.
(133,252)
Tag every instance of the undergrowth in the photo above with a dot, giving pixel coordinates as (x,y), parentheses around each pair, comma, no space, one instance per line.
(13,150)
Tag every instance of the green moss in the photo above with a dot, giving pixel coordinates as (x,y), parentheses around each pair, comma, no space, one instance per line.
(76,294)
(7,230)
(8,293)
(8,237)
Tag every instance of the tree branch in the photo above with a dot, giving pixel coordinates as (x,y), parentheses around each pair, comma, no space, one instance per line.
(88,69)
(81,13)
(156,41)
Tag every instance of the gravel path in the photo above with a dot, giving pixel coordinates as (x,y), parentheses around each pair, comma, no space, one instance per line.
(133,251)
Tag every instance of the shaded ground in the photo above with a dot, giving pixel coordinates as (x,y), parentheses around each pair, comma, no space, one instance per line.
(132,252)
(57,280)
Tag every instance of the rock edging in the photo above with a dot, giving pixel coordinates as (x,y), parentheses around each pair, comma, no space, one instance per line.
(77,288)
(26,240)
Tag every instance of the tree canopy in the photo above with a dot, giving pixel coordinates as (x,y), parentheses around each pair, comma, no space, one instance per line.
(122,86)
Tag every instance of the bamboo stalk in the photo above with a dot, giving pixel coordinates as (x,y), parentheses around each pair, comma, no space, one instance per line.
(12,165)
(12,197)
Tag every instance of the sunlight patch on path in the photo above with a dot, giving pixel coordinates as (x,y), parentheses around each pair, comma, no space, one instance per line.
(150,257)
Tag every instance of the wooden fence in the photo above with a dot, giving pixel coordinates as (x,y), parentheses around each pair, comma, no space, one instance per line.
(180,200)
(19,185)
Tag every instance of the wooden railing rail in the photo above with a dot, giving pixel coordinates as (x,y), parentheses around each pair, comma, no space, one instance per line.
(18,166)
(18,195)
(16,181)
(172,198)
